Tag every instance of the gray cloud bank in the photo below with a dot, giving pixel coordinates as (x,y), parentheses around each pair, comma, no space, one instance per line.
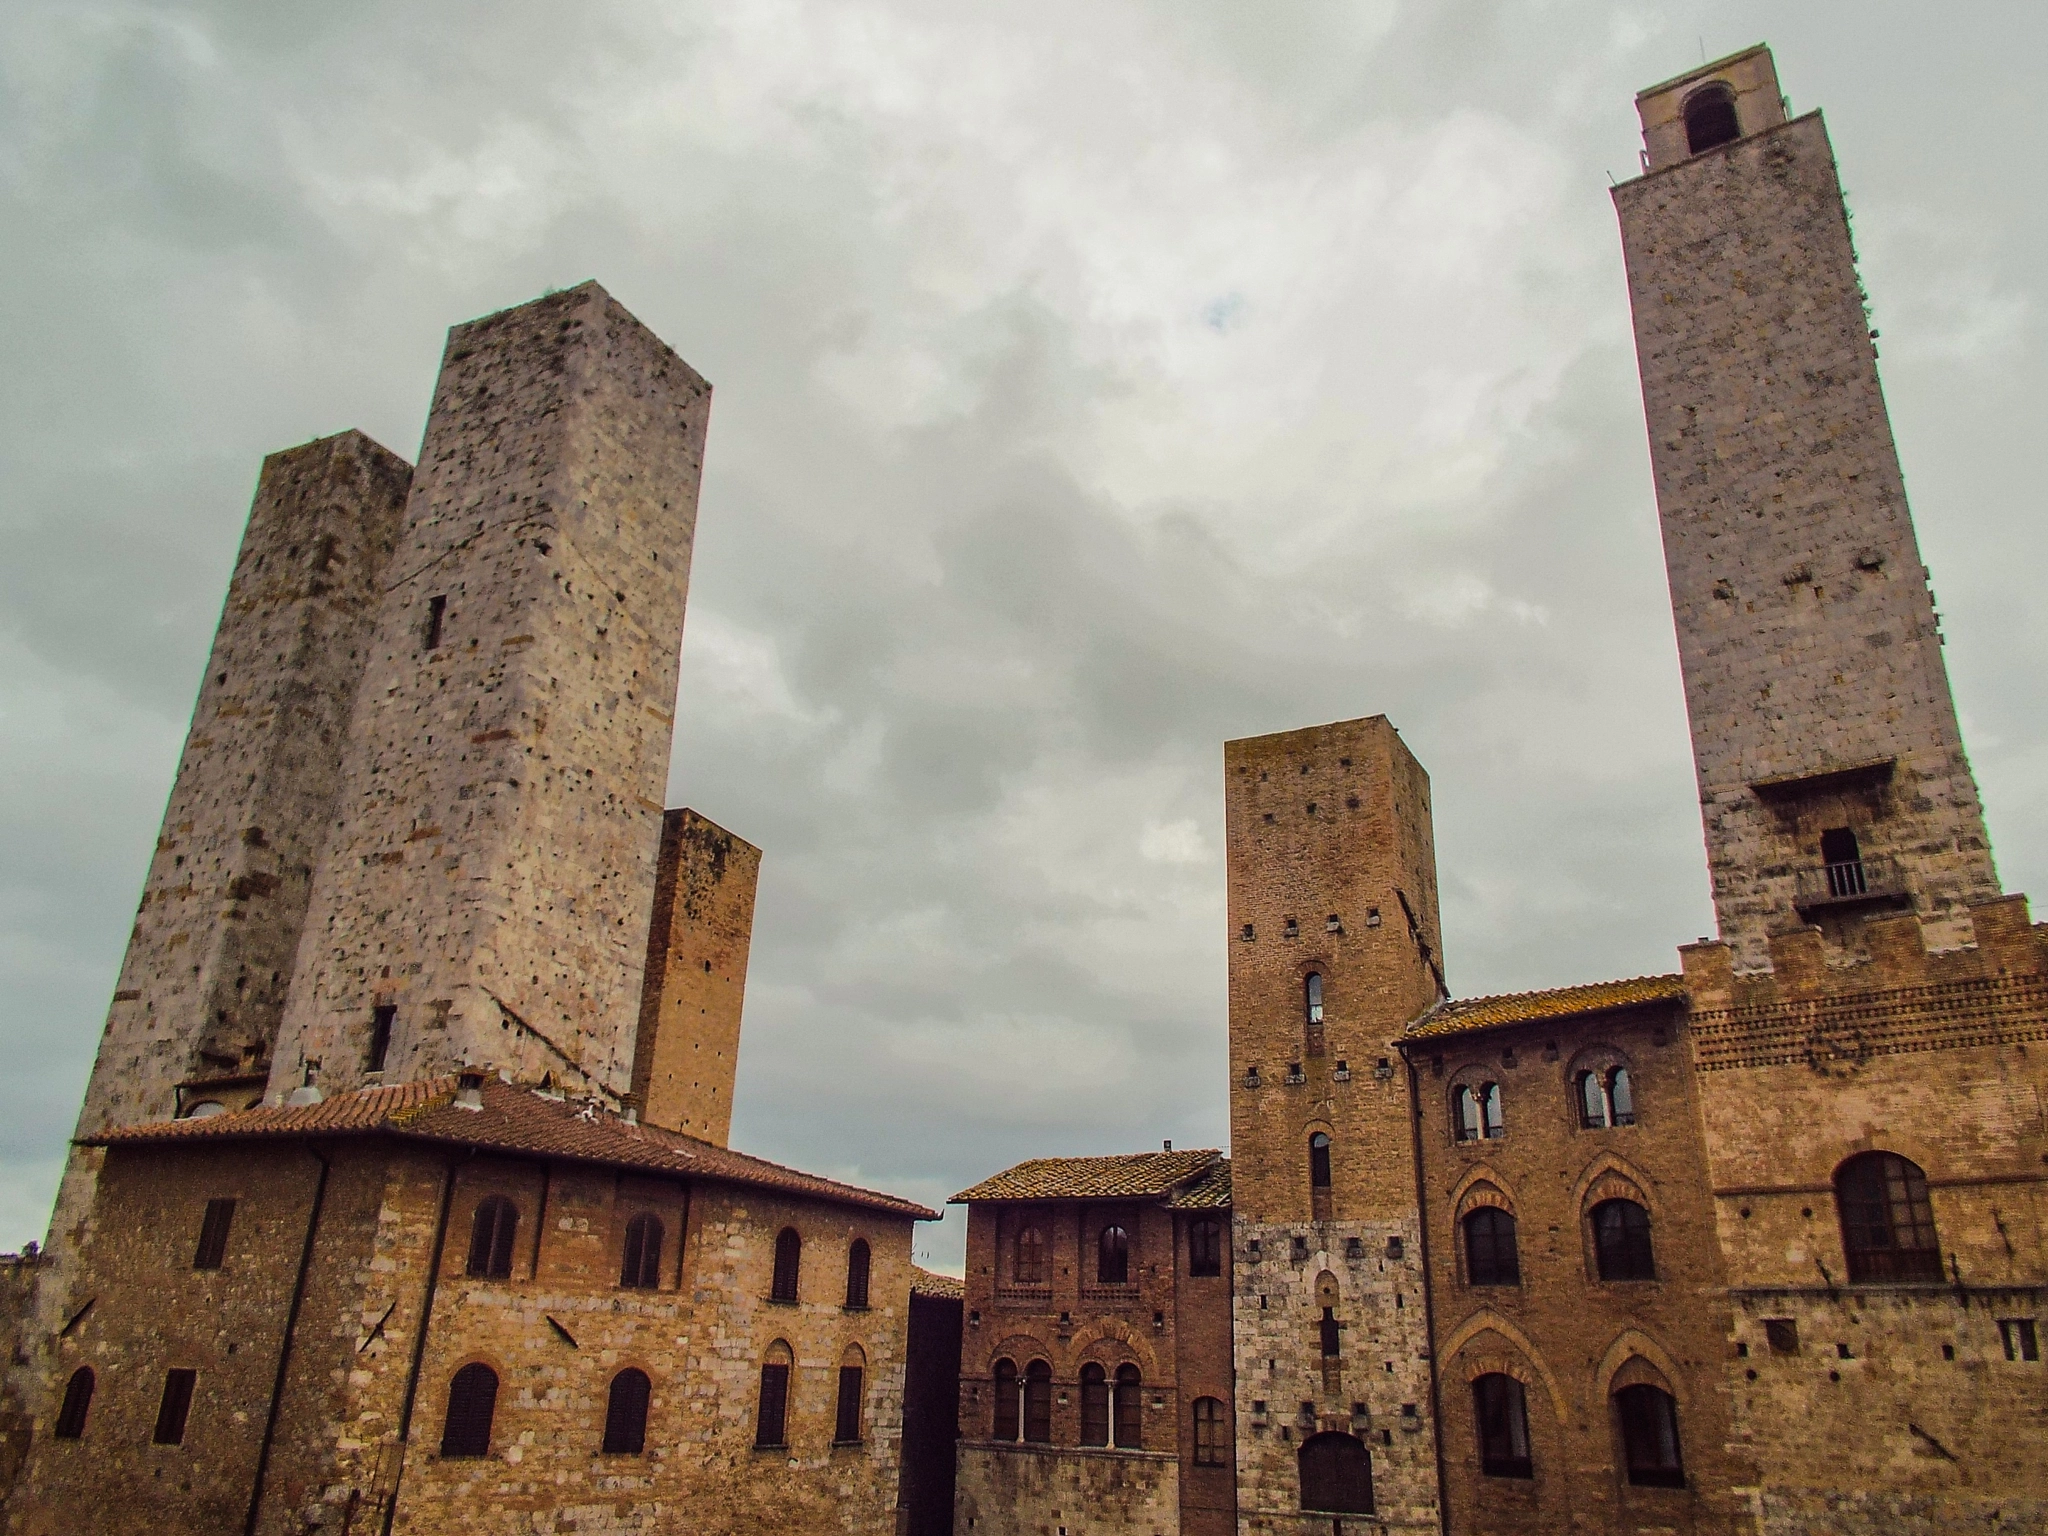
(1095,382)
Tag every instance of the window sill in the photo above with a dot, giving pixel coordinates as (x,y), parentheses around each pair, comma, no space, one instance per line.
(848,1445)
(855,1306)
(1656,1480)
(781,1450)
(782,1301)
(1520,1470)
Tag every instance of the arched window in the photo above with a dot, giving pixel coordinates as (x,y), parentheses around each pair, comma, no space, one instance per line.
(1621,1098)
(1887,1219)
(1038,1403)
(858,1258)
(852,1390)
(490,1240)
(1489,1110)
(1030,1265)
(1312,996)
(1130,1409)
(625,1413)
(1336,1475)
(1212,1440)
(1330,1334)
(640,1269)
(77,1400)
(1113,1257)
(1205,1246)
(1710,119)
(1094,1405)
(771,1421)
(1621,1241)
(1005,1425)
(1464,1113)
(472,1399)
(1592,1102)
(1502,1414)
(1490,1257)
(1842,860)
(789,1255)
(1649,1436)
(1319,1161)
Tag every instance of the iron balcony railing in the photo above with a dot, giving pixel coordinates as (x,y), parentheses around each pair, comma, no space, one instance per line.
(1874,879)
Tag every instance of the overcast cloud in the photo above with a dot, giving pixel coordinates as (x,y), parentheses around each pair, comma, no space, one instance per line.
(1096,380)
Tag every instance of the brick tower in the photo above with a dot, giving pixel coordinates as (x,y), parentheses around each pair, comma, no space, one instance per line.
(1831,771)
(490,868)
(1334,947)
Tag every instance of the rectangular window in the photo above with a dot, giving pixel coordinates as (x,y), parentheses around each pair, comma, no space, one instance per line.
(2020,1339)
(846,1429)
(774,1405)
(1205,1247)
(1782,1334)
(213,1235)
(175,1408)
(437,612)
(380,1036)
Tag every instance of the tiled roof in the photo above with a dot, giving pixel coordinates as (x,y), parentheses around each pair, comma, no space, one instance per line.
(1210,1190)
(923,1282)
(511,1119)
(1093,1178)
(1455,1017)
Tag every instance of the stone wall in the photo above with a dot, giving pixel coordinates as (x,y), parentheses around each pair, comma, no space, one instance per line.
(1036,1490)
(491,869)
(1806,629)
(1332,870)
(688,1048)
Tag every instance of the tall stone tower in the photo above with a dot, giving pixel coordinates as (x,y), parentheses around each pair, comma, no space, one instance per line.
(490,869)
(1334,947)
(1831,771)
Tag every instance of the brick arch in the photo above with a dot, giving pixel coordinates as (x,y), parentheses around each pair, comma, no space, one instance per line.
(1923,1153)
(1631,1344)
(1110,1342)
(1465,1194)
(1020,1347)
(1533,1371)
(1610,1176)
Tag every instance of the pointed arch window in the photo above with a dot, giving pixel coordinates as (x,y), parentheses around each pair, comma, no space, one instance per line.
(1649,1436)
(1490,1253)
(491,1232)
(1621,1241)
(1887,1219)
(859,1258)
(625,1413)
(789,1255)
(640,1266)
(1501,1410)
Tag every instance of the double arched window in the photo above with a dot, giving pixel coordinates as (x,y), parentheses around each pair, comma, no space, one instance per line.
(1490,1253)
(625,1413)
(771,1420)
(1621,1241)
(1028,1267)
(789,1257)
(491,1232)
(1501,1410)
(1606,1098)
(1887,1219)
(1475,1112)
(1649,1436)
(1212,1437)
(640,1265)
(1336,1474)
(472,1401)
(858,1260)
(1113,1256)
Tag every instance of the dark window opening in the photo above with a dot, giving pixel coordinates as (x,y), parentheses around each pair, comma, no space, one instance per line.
(78,1400)
(1030,1265)
(1038,1403)
(1844,861)
(789,1254)
(1621,1241)
(380,1036)
(490,1239)
(1490,1254)
(1319,1161)
(175,1407)
(1649,1433)
(858,1260)
(1887,1219)
(1005,1425)
(1113,1257)
(1094,1405)
(1336,1474)
(437,613)
(625,1413)
(1212,1444)
(846,1421)
(213,1235)
(1502,1411)
(771,1422)
(2017,1334)
(1312,994)
(1330,1334)
(1129,1409)
(640,1268)
(1782,1335)
(1205,1247)
(1710,119)
(472,1400)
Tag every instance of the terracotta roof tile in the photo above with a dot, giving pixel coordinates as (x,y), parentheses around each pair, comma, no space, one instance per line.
(1210,1190)
(923,1282)
(510,1119)
(1457,1016)
(1093,1178)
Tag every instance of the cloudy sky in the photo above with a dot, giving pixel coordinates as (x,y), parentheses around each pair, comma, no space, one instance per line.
(1096,380)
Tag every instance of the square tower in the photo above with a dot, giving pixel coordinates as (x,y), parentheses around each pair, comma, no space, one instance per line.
(1831,771)
(1334,948)
(490,874)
